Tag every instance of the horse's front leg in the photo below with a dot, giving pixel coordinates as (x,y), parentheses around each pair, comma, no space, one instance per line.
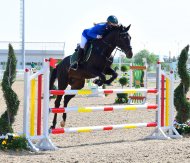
(110,71)
(101,80)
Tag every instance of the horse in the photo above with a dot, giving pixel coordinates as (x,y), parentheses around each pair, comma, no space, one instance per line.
(98,65)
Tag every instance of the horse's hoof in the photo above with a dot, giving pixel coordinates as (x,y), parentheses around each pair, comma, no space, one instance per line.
(52,127)
(62,124)
(98,82)
(95,81)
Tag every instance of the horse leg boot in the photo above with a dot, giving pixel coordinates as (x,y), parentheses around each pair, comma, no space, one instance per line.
(80,58)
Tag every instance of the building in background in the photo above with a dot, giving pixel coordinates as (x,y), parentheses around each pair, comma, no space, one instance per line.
(35,52)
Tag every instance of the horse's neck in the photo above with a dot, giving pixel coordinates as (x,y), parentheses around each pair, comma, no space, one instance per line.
(107,52)
(109,44)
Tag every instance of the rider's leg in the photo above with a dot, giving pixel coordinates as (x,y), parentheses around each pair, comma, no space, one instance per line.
(81,49)
(80,53)
(83,42)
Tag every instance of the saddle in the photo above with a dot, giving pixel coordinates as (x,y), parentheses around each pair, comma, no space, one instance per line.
(87,53)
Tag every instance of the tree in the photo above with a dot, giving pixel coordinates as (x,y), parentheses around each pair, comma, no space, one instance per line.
(12,102)
(150,57)
(180,100)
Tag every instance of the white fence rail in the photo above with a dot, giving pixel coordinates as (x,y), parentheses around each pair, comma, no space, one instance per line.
(20,75)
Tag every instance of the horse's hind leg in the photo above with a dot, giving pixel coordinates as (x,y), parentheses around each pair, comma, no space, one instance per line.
(62,85)
(67,98)
(75,85)
(57,104)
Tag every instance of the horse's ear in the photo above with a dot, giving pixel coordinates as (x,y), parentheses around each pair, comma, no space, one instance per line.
(128,28)
(120,26)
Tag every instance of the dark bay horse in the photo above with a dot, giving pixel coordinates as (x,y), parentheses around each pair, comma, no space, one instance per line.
(98,65)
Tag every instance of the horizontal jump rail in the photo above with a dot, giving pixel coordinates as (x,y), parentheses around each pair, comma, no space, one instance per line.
(138,67)
(101,91)
(103,108)
(101,128)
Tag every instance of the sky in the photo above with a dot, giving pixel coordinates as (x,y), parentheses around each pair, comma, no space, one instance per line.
(160,26)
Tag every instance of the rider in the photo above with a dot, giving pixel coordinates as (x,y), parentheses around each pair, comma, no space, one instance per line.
(95,32)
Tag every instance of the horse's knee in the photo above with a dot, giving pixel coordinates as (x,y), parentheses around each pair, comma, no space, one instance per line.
(103,78)
(115,75)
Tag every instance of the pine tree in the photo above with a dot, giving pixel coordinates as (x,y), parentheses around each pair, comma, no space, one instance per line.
(11,98)
(180,100)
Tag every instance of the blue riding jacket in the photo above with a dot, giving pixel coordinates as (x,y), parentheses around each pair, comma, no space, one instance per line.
(98,29)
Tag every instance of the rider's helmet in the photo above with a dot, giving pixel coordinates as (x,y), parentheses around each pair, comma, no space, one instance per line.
(112,20)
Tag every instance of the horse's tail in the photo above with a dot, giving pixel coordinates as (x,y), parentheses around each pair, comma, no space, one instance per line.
(53,78)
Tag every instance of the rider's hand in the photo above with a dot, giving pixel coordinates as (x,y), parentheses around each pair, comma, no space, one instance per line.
(99,36)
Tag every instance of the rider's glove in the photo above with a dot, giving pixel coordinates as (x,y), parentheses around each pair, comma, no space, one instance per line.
(99,36)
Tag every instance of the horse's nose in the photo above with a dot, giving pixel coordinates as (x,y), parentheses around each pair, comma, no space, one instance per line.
(129,54)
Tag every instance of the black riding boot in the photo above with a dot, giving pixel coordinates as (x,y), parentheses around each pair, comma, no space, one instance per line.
(80,55)
(79,59)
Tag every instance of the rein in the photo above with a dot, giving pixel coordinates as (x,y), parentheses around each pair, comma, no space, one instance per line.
(110,45)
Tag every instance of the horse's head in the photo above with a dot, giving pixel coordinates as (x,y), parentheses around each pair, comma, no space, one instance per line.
(124,41)
(117,36)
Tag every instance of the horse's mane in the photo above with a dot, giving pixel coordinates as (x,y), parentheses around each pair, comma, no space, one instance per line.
(120,27)
(114,28)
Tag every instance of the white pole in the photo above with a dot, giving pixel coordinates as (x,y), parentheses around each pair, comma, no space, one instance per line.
(171,98)
(130,76)
(26,103)
(46,100)
(27,110)
(23,31)
(145,74)
(158,100)
(46,143)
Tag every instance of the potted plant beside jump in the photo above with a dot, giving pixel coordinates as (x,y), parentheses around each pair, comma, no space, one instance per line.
(123,81)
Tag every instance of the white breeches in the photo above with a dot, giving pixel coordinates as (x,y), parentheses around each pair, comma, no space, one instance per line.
(83,42)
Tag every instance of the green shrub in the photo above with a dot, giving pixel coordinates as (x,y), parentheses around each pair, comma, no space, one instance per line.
(116,68)
(13,142)
(123,81)
(183,129)
(121,98)
(124,68)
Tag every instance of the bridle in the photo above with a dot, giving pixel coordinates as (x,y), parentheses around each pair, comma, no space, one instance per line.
(115,42)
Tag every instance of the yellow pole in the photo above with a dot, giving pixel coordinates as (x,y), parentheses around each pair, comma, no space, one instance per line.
(32,106)
(167,102)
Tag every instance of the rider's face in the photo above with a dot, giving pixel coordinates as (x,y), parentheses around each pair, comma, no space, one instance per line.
(112,25)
